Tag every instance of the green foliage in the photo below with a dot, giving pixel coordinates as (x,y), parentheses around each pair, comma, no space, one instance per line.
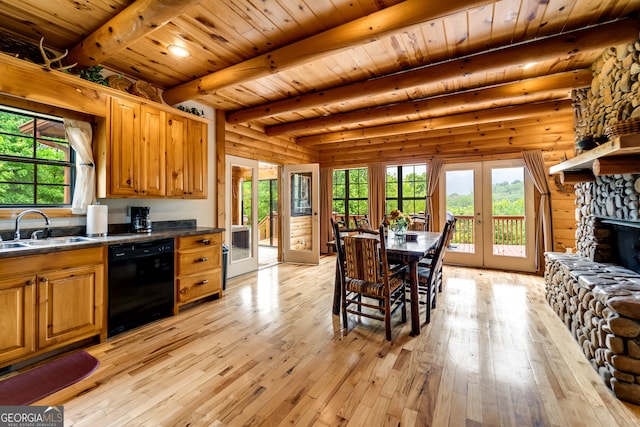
(93,74)
(191,110)
(18,178)
(266,187)
(508,200)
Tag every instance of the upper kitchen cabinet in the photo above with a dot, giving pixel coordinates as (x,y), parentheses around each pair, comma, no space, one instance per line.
(136,150)
(186,158)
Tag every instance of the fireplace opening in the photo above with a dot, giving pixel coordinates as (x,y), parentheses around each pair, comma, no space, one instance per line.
(625,245)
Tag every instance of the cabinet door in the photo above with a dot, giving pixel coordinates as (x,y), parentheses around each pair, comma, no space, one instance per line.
(70,304)
(176,156)
(197,155)
(123,155)
(152,165)
(17,317)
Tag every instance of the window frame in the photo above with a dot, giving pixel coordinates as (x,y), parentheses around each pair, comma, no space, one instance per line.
(35,139)
(348,200)
(399,199)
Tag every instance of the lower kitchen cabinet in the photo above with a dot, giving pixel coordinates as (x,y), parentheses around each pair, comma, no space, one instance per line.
(48,301)
(199,267)
(17,316)
(69,305)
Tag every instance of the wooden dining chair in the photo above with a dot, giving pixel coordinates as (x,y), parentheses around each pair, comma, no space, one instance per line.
(419,223)
(428,275)
(370,289)
(362,223)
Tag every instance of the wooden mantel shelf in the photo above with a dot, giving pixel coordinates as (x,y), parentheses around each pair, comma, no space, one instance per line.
(616,147)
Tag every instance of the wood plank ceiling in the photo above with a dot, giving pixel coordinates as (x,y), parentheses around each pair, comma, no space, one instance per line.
(357,80)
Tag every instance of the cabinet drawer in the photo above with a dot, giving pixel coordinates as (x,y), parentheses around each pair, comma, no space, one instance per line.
(200,241)
(199,285)
(195,261)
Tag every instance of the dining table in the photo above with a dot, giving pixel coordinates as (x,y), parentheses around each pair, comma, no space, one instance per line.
(407,250)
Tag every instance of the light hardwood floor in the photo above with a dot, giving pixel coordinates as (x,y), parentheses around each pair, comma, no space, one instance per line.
(271,353)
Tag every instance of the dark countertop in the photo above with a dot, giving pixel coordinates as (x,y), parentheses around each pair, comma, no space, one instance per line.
(111,239)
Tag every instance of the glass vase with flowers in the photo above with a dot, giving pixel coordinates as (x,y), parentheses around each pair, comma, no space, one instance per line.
(398,222)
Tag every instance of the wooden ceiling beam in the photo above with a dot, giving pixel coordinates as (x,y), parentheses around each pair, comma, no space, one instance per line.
(362,30)
(465,135)
(138,20)
(409,156)
(559,47)
(545,109)
(521,92)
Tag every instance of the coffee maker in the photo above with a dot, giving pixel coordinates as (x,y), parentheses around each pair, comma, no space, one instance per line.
(140,220)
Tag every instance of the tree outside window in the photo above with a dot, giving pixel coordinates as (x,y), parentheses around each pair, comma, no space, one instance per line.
(351,193)
(406,189)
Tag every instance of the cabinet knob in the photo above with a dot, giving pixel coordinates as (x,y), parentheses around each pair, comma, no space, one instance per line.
(205,241)
(184,291)
(204,282)
(30,282)
(44,280)
(203,259)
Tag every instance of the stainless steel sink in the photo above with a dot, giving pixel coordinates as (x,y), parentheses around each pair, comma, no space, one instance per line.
(13,245)
(65,240)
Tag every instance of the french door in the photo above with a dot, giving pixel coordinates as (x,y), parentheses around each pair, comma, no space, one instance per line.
(241,197)
(301,203)
(493,202)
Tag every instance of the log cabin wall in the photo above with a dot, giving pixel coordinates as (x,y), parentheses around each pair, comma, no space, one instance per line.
(49,89)
(251,142)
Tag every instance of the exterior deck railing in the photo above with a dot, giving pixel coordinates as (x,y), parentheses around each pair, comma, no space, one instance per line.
(507,230)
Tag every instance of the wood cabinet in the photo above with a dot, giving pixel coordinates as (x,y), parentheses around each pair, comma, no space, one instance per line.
(186,158)
(17,316)
(68,302)
(51,300)
(199,267)
(137,146)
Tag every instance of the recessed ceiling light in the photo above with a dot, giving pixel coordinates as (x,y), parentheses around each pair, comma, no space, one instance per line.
(179,50)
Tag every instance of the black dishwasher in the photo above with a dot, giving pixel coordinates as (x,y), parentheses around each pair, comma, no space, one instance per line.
(141,284)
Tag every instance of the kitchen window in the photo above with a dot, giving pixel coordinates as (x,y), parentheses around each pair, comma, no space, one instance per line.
(36,160)
(406,189)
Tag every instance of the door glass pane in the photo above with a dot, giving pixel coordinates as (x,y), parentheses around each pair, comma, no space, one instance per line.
(301,237)
(241,190)
(507,211)
(460,202)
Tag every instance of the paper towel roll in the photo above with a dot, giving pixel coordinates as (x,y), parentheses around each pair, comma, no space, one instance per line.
(97,220)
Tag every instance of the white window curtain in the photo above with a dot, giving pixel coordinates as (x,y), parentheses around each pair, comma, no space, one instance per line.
(80,135)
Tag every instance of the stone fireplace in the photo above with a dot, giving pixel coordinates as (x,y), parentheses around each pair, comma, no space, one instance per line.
(596,291)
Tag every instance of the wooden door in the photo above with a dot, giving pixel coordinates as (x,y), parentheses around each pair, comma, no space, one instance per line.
(152,164)
(301,203)
(493,202)
(70,304)
(17,317)
(197,151)
(241,199)
(123,155)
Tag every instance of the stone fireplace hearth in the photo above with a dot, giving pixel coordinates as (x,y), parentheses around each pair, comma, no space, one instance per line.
(596,292)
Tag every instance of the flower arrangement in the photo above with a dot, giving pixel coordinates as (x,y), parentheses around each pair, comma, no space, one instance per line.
(398,221)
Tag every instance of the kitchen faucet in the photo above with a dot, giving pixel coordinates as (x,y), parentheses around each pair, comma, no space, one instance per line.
(16,234)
